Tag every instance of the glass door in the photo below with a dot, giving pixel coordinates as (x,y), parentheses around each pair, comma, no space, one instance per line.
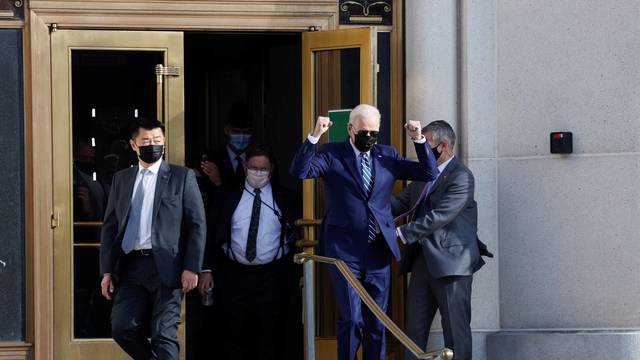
(338,72)
(101,81)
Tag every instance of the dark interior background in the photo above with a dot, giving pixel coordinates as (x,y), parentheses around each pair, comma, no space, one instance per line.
(12,281)
(262,70)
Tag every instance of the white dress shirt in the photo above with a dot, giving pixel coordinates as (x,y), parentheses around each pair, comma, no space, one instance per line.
(149,188)
(269,228)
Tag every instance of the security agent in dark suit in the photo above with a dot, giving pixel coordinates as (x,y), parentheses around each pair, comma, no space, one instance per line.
(443,249)
(224,167)
(152,247)
(252,267)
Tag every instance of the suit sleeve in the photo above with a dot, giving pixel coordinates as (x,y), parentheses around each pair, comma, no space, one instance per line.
(423,170)
(195,224)
(452,202)
(309,164)
(109,231)
(401,202)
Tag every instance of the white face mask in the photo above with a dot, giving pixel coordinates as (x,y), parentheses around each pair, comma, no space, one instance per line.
(257,178)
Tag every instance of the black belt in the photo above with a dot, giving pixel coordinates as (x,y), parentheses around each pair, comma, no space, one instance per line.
(141,252)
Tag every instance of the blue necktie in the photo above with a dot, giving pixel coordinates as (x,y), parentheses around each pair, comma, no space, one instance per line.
(133,224)
(367,179)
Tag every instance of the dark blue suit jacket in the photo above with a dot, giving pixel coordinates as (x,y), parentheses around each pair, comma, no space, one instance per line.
(344,227)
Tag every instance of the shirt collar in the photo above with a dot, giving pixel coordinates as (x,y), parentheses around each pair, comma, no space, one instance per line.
(154,168)
(442,166)
(356,151)
(232,154)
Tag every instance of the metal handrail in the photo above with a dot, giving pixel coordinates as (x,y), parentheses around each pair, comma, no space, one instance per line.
(444,354)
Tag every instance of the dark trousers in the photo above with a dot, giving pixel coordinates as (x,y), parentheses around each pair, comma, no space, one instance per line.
(203,332)
(356,324)
(253,300)
(144,307)
(452,296)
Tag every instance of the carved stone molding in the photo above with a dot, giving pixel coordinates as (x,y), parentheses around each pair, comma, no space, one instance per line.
(206,14)
(12,9)
(366,12)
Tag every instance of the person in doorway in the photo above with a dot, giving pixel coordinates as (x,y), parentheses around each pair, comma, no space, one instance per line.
(443,248)
(89,189)
(225,166)
(358,227)
(249,256)
(221,170)
(152,246)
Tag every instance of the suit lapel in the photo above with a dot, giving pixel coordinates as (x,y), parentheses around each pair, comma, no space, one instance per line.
(377,168)
(443,177)
(129,183)
(349,158)
(163,178)
(234,200)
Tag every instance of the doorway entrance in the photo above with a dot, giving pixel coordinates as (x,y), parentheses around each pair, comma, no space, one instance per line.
(260,73)
(102,78)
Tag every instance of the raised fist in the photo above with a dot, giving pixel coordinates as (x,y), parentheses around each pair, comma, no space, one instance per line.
(322,125)
(414,129)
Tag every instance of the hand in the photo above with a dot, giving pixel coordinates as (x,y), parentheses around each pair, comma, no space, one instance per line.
(106,285)
(413,129)
(205,282)
(322,125)
(189,281)
(211,170)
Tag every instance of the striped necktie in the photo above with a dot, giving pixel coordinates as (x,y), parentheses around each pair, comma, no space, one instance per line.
(367,179)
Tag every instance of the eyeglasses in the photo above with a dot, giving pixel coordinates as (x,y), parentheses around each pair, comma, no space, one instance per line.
(366,132)
(259,171)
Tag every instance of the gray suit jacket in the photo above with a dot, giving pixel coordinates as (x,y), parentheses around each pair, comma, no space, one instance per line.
(445,224)
(178,225)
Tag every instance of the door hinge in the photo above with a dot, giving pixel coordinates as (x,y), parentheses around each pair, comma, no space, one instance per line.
(55,219)
(377,68)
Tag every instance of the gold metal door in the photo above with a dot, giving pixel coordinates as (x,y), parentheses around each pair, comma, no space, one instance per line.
(101,81)
(338,72)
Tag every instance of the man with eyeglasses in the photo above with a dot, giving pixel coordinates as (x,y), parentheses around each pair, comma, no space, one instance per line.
(249,262)
(358,226)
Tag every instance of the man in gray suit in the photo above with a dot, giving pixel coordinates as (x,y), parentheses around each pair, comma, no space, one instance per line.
(443,251)
(152,247)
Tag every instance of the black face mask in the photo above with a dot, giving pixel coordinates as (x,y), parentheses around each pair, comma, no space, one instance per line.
(364,142)
(435,152)
(150,153)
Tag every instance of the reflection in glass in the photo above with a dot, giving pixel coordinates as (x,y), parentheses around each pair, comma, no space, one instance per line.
(109,89)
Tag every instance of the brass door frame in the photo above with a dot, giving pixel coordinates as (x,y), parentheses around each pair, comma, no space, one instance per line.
(365,39)
(63,42)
